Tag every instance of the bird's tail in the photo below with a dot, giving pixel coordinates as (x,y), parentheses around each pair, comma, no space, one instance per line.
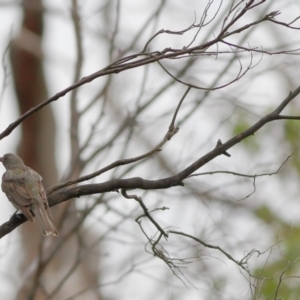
(43,216)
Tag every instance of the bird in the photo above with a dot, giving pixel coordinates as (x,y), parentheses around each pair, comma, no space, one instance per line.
(23,187)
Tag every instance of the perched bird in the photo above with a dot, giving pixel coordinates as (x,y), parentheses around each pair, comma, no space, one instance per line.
(23,187)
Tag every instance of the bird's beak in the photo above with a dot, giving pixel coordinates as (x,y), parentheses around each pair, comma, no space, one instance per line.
(1,159)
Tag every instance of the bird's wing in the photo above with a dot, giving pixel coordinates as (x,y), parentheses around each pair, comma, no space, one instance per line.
(40,207)
(15,187)
(43,194)
(43,197)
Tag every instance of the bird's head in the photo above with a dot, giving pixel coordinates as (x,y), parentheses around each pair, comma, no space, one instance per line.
(11,160)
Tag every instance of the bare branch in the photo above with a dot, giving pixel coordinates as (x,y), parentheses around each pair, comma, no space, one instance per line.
(171,132)
(140,183)
(239,263)
(134,61)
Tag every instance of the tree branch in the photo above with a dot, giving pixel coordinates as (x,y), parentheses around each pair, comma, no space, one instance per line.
(144,58)
(140,183)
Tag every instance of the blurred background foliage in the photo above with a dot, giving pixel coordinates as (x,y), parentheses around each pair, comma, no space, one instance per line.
(102,252)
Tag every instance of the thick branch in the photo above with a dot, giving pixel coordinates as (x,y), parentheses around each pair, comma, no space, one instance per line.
(140,183)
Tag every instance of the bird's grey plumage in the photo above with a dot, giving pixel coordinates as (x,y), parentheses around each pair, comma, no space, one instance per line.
(23,187)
